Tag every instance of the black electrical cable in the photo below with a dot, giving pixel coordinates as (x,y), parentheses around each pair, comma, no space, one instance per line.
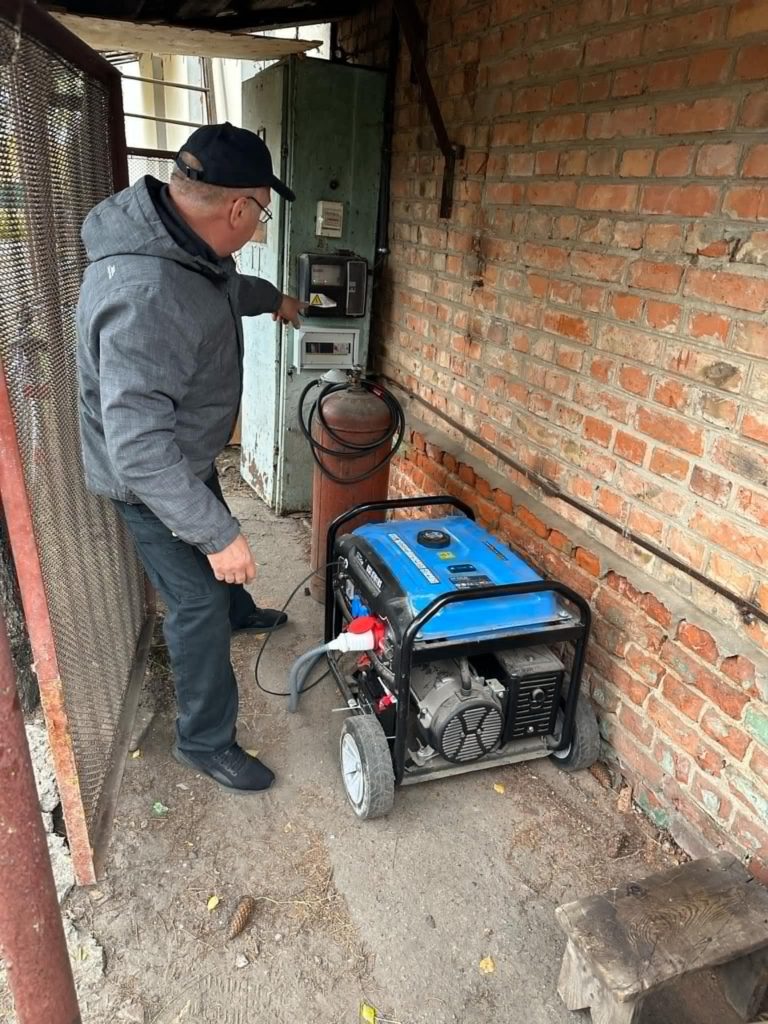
(304,689)
(347,449)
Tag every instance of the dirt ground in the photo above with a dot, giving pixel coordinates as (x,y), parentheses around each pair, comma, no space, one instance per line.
(399,912)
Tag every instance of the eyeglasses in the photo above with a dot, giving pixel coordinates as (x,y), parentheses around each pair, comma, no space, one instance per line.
(266,215)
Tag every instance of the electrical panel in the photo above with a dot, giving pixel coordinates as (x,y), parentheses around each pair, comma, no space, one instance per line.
(325,348)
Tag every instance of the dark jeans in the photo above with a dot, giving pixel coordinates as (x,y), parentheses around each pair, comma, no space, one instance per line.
(201,613)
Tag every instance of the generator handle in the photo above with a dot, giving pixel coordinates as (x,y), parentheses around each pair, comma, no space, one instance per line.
(404,653)
(363,509)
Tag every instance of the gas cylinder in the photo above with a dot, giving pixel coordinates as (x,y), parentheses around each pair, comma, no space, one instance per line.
(351,417)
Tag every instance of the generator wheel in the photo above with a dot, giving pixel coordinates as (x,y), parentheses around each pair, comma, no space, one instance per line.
(366,767)
(584,748)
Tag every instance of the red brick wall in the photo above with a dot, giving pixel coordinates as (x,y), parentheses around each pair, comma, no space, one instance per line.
(595,308)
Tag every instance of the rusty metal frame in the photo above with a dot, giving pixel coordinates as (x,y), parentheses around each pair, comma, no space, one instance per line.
(18,517)
(414,32)
(32,941)
(87,845)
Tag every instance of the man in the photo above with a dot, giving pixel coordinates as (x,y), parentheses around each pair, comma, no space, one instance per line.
(160,356)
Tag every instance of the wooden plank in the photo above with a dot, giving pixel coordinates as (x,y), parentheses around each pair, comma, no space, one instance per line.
(108,34)
(579,989)
(640,936)
(576,986)
(607,1010)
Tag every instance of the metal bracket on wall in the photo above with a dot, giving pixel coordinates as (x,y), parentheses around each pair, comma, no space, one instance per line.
(413,30)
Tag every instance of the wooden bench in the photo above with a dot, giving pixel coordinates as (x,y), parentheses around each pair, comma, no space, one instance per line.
(640,937)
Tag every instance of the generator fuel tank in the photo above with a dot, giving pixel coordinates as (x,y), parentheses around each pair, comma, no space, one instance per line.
(404,565)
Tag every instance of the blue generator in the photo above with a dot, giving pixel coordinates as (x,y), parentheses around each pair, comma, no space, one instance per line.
(477,660)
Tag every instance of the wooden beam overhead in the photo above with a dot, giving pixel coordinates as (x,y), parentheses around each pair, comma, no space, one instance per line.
(140,37)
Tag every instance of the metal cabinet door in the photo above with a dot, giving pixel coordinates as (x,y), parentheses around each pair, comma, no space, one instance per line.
(263,105)
(335,116)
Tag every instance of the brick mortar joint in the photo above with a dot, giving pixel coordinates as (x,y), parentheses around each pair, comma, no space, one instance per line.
(716,784)
(677,487)
(683,261)
(598,28)
(680,607)
(687,307)
(631,771)
(741,360)
(684,95)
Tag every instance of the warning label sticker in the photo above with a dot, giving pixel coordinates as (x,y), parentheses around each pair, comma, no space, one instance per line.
(318,299)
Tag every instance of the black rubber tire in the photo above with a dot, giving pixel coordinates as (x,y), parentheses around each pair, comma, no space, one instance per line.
(377,775)
(585,745)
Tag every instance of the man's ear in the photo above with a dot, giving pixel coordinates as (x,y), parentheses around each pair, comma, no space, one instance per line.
(236,211)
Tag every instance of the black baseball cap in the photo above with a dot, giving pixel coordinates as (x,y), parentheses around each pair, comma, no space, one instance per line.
(231,157)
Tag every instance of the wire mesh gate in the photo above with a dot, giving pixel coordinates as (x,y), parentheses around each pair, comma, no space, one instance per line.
(89,615)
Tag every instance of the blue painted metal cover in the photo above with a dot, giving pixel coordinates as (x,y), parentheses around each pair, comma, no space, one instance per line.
(427,565)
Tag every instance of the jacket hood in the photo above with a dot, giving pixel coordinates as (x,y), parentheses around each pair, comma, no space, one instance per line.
(127,224)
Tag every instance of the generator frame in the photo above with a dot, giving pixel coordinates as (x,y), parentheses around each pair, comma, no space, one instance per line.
(410,653)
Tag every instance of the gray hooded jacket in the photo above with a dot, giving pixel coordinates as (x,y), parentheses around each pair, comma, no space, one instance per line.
(160,357)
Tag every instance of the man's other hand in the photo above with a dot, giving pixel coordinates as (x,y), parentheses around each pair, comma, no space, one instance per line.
(289,311)
(235,563)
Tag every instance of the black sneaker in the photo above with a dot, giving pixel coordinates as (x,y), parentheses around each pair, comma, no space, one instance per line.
(262,620)
(233,768)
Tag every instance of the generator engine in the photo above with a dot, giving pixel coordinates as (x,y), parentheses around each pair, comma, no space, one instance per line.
(465,716)
(460,714)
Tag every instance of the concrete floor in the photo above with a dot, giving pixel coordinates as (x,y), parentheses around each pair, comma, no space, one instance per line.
(399,911)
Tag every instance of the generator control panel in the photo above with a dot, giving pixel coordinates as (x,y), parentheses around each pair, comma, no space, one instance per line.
(333,285)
